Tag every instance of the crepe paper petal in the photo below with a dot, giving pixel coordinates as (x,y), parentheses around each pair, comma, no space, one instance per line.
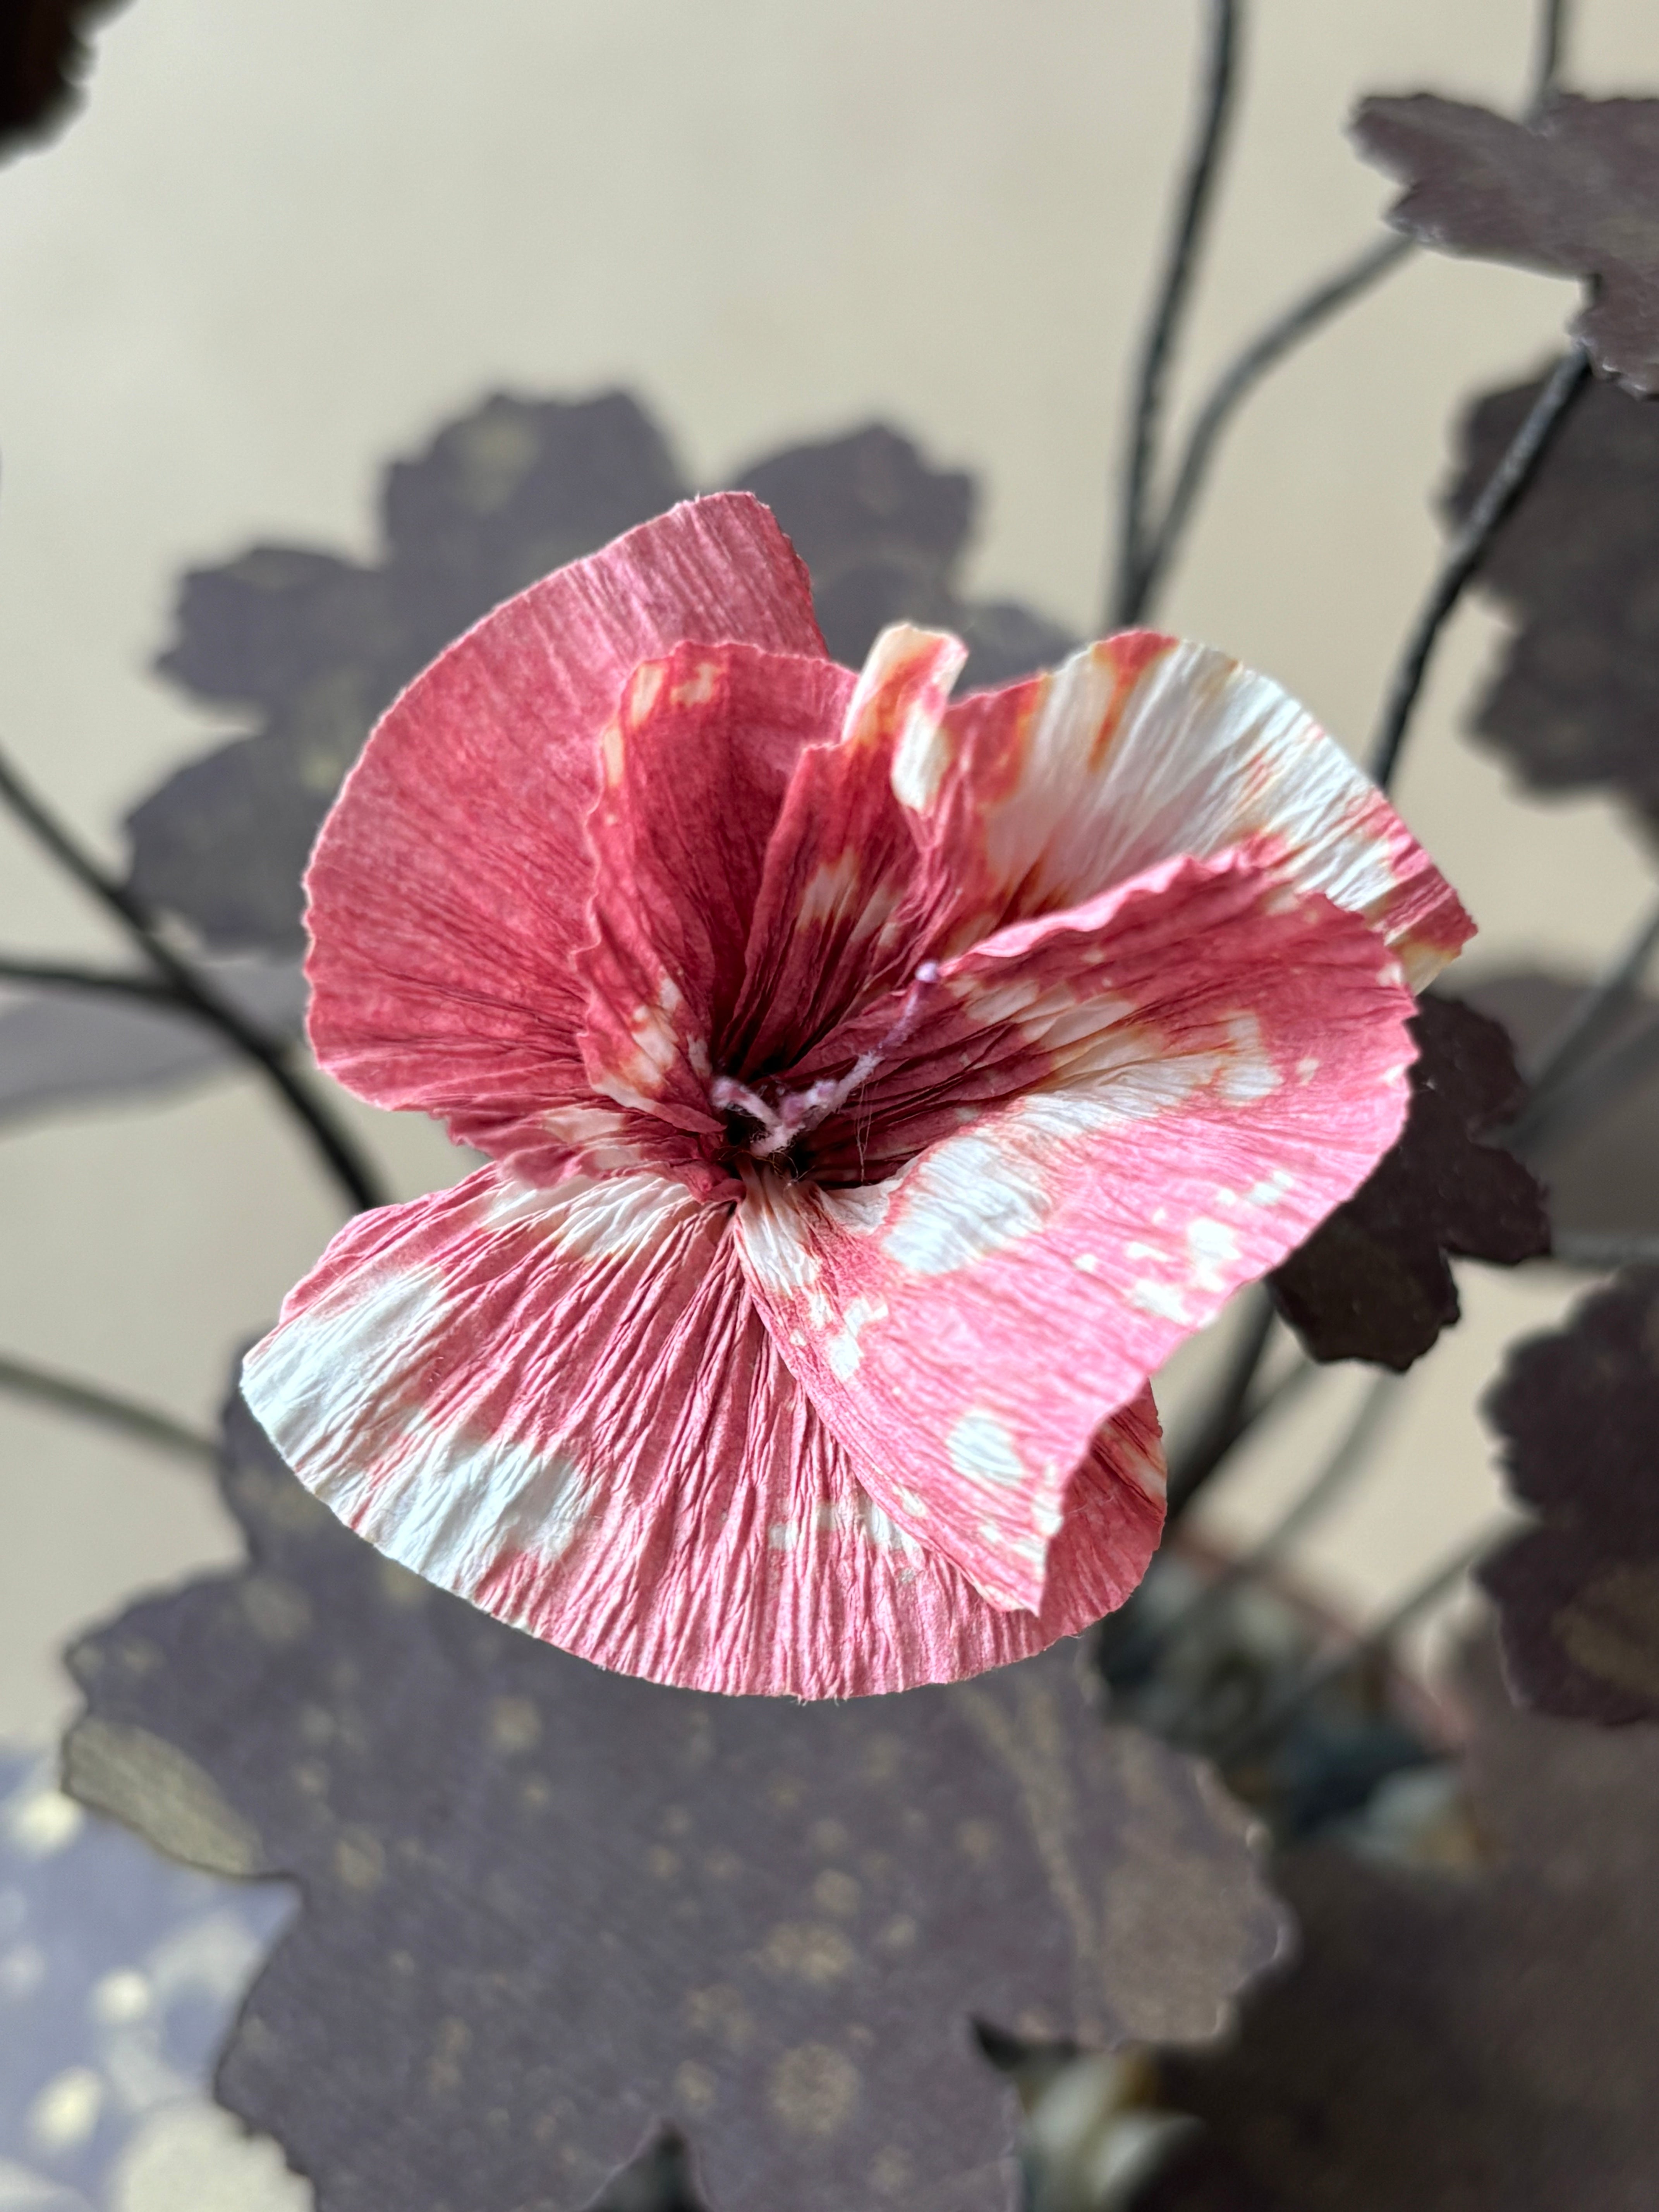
(1227,1063)
(697,761)
(535,1890)
(1141,748)
(317,647)
(1576,701)
(1372,1282)
(1444,2040)
(449,888)
(1575,193)
(72,1046)
(563,1406)
(825,930)
(120,1977)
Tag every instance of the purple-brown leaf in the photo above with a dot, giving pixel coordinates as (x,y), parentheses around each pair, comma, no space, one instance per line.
(1578,1595)
(317,647)
(1453,2039)
(44,60)
(1373,1282)
(547,1907)
(1576,701)
(1575,193)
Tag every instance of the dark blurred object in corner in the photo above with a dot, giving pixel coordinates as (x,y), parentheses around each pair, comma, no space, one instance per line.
(44,60)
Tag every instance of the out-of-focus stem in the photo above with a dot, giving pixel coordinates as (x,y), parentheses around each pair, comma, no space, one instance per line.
(1169,306)
(1228,394)
(1503,488)
(345,1161)
(89,1402)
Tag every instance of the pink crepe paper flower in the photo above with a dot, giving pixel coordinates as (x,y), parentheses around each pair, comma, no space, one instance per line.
(876,1087)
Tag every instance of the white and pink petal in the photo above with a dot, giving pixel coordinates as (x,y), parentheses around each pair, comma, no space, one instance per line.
(843,859)
(1140,747)
(564,1405)
(1204,1064)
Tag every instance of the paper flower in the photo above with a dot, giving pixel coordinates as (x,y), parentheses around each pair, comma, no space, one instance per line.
(877,1089)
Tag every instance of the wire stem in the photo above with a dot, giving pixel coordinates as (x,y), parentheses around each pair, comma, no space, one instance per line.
(1590,1089)
(59,975)
(1231,1411)
(1589,1026)
(1548,56)
(1347,1459)
(1180,263)
(1227,394)
(89,1402)
(345,1161)
(1603,1253)
(1309,1686)
(1503,488)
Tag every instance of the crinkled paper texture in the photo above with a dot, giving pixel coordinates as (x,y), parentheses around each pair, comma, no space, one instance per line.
(880,1083)
(314,646)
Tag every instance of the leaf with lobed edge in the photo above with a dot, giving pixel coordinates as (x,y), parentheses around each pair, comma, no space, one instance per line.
(567,1905)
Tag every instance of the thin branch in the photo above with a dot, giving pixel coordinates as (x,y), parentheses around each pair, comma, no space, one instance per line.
(345,1160)
(1603,1253)
(1197,192)
(1229,392)
(58,975)
(1311,1685)
(90,1402)
(1548,56)
(1591,1089)
(1589,1026)
(1347,1459)
(1503,488)
(1231,1411)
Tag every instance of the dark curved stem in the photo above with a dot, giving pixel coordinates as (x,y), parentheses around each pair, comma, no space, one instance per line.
(1296,1695)
(1197,192)
(1230,390)
(60,976)
(1501,489)
(345,1161)
(89,1402)
(1231,1411)
(1591,1089)
(1549,56)
(1604,1251)
(1591,1022)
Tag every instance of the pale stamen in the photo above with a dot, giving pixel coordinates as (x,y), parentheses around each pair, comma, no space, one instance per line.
(798,1111)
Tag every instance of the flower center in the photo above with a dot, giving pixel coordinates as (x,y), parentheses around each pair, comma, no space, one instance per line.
(768,1129)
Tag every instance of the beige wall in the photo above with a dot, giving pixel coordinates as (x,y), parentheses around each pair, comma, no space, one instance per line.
(290,235)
